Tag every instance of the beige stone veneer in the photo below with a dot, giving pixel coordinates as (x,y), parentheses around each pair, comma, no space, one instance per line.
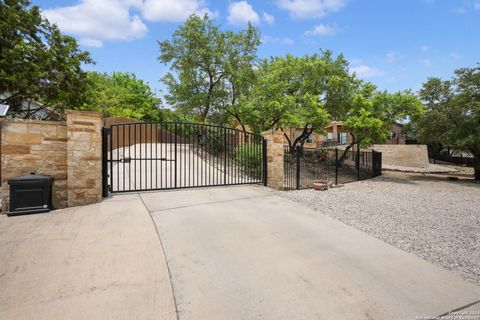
(69,151)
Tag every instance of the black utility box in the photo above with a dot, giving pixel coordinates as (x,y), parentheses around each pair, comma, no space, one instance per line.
(30,194)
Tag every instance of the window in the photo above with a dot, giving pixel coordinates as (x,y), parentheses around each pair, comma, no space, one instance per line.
(329,136)
(309,139)
(342,138)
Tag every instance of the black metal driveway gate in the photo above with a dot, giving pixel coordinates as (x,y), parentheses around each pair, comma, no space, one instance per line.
(163,155)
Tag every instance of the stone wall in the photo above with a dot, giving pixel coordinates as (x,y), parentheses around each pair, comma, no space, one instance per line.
(69,151)
(275,168)
(35,146)
(401,155)
(84,157)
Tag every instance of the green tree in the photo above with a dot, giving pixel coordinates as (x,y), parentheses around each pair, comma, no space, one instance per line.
(121,94)
(209,68)
(37,62)
(452,115)
(300,92)
(372,112)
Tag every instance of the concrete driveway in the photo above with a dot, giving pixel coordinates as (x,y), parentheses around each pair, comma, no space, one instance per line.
(102,261)
(225,253)
(243,253)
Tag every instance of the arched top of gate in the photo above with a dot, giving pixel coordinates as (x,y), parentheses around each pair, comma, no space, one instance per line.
(185,124)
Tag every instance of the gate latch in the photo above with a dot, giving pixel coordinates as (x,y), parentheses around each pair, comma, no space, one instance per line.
(126,160)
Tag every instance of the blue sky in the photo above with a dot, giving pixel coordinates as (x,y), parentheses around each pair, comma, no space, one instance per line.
(394,44)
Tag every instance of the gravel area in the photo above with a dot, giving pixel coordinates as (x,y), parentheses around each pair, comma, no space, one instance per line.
(436,219)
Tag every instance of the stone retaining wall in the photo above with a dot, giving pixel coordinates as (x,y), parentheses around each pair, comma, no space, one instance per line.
(69,151)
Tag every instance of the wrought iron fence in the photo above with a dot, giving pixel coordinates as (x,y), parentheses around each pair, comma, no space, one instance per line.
(303,166)
(162,155)
(458,160)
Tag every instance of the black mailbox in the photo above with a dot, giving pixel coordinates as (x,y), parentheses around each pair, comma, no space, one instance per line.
(30,194)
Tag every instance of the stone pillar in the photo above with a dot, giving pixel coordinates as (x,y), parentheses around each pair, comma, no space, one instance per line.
(275,170)
(84,157)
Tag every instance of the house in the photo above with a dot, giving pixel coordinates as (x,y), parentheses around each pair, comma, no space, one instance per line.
(396,135)
(336,135)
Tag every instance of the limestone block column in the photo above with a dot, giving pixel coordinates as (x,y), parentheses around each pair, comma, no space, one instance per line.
(84,157)
(275,167)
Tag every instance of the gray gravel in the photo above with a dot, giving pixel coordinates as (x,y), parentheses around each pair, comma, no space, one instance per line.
(435,219)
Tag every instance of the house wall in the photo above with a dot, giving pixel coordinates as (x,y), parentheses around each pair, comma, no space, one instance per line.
(396,137)
(69,151)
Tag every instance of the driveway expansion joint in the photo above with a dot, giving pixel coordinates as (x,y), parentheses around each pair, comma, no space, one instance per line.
(209,203)
(164,254)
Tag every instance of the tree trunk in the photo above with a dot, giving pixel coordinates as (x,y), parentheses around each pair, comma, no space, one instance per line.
(344,155)
(476,165)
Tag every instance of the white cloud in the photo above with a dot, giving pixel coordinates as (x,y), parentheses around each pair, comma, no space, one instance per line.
(424,48)
(240,13)
(455,56)
(322,30)
(393,56)
(476,5)
(173,10)
(268,18)
(90,42)
(304,9)
(95,21)
(364,71)
(426,63)
(277,40)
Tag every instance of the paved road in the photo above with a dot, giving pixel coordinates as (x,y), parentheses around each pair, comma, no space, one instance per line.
(243,253)
(232,253)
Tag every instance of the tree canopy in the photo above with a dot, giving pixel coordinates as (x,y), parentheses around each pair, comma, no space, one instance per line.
(121,94)
(452,115)
(38,62)
(372,112)
(299,92)
(210,68)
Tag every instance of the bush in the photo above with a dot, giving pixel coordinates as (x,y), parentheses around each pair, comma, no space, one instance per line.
(249,156)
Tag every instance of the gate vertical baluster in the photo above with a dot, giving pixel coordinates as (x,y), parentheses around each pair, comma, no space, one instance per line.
(358,162)
(175,137)
(118,157)
(225,150)
(140,156)
(264,162)
(336,166)
(146,155)
(111,159)
(123,147)
(156,156)
(105,162)
(297,153)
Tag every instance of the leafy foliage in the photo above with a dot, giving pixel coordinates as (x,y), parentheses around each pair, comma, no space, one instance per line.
(372,112)
(249,157)
(37,62)
(210,68)
(452,115)
(299,92)
(122,95)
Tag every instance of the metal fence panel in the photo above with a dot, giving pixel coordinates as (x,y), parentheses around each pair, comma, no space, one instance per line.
(163,155)
(303,166)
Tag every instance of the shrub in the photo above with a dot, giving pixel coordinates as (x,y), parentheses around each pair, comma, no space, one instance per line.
(249,156)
